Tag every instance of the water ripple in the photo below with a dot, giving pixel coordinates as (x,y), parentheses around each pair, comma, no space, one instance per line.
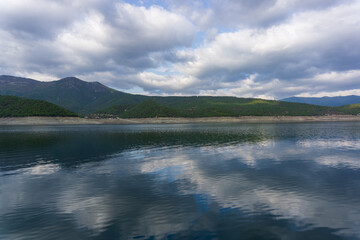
(212,181)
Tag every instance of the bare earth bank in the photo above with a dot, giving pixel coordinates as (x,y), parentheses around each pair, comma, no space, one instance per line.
(260,119)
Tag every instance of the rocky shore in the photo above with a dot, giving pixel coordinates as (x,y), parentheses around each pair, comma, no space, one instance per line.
(247,119)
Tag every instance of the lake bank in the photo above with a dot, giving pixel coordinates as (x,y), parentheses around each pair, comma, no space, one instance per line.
(245,119)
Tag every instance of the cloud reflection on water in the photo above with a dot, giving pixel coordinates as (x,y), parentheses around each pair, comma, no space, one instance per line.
(277,182)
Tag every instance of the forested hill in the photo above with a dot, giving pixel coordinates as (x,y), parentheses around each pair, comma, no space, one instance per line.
(221,107)
(352,109)
(71,93)
(11,106)
(94,98)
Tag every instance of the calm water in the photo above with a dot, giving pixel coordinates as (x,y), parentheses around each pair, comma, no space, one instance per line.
(212,181)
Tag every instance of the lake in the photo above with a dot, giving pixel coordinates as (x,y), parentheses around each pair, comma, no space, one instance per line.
(173,181)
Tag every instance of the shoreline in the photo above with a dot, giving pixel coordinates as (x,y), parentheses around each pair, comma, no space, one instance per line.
(15,121)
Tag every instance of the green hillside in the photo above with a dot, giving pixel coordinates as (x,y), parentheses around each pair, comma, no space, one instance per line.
(71,93)
(214,107)
(150,109)
(92,97)
(352,109)
(231,106)
(11,106)
(81,97)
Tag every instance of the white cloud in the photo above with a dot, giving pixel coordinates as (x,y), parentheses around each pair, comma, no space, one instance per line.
(233,14)
(330,94)
(269,49)
(114,37)
(170,83)
(311,45)
(331,84)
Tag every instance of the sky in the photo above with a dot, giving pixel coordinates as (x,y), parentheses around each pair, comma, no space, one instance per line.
(246,48)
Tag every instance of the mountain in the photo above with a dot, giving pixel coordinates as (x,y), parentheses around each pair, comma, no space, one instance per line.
(325,101)
(71,93)
(93,97)
(10,85)
(11,106)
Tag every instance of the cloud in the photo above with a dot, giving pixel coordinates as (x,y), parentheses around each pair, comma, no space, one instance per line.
(81,38)
(309,47)
(28,19)
(231,14)
(270,49)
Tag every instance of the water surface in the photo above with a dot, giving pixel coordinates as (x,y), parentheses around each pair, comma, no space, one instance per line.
(191,181)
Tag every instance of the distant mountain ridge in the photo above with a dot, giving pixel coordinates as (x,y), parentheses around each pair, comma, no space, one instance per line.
(325,101)
(72,93)
(10,85)
(94,98)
